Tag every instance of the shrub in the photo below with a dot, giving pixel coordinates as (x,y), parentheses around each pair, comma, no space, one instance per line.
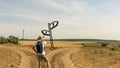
(3,40)
(13,40)
(10,39)
(115,48)
(104,44)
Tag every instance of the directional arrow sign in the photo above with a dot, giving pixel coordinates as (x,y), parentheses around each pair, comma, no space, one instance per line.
(45,32)
(53,24)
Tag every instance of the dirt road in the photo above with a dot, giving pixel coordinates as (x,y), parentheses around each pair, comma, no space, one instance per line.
(67,55)
(27,58)
(59,58)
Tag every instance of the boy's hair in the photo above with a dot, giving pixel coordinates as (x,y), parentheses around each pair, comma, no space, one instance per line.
(40,37)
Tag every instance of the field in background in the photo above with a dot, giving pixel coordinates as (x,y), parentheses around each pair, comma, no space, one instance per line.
(57,43)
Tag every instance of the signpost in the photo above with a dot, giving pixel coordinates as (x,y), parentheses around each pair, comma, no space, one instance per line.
(49,32)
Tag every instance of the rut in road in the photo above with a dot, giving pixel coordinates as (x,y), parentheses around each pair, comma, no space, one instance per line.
(61,58)
(28,59)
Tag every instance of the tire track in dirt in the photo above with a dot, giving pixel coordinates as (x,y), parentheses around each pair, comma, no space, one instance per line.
(61,58)
(25,57)
(67,60)
(51,55)
(25,60)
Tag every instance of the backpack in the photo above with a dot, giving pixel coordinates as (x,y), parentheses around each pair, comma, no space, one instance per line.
(39,47)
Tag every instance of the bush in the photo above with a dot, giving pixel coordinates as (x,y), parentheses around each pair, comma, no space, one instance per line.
(13,40)
(3,40)
(104,44)
(115,48)
(10,39)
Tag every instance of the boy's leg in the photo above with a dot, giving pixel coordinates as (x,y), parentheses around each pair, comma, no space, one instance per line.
(40,65)
(45,59)
(39,61)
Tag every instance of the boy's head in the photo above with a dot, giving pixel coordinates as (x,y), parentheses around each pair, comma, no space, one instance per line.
(40,37)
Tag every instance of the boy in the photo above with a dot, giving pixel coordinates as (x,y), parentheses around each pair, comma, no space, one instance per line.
(39,48)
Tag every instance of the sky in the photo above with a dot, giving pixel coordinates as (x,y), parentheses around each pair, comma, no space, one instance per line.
(78,19)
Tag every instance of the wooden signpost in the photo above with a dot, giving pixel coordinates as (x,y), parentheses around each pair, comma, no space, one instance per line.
(49,32)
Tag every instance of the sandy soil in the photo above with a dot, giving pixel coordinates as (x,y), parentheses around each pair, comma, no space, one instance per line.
(28,58)
(61,58)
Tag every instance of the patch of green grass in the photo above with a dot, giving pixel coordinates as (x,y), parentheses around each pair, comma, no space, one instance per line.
(91,45)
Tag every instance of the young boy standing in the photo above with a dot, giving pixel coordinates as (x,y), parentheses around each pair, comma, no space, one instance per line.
(39,48)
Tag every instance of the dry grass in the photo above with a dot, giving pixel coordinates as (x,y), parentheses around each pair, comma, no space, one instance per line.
(9,59)
(33,58)
(96,57)
(56,43)
(27,42)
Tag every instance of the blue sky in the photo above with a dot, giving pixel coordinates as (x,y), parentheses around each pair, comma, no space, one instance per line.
(81,19)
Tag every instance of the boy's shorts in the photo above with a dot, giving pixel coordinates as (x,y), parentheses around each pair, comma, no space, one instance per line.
(41,57)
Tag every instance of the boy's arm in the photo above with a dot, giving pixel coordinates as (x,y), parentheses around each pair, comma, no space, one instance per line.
(34,49)
(46,42)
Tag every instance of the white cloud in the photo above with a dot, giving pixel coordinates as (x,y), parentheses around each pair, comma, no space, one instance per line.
(68,7)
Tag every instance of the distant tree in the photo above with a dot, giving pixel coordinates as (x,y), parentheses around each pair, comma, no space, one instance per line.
(13,40)
(3,40)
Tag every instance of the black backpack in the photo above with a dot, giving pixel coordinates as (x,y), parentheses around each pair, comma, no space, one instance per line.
(39,47)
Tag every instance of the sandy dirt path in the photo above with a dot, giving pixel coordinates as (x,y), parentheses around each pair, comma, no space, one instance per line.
(26,57)
(61,58)
(67,60)
(25,60)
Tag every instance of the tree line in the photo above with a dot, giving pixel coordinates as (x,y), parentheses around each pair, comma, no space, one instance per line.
(10,40)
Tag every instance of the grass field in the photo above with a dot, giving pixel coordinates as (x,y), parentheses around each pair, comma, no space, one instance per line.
(68,54)
(9,58)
